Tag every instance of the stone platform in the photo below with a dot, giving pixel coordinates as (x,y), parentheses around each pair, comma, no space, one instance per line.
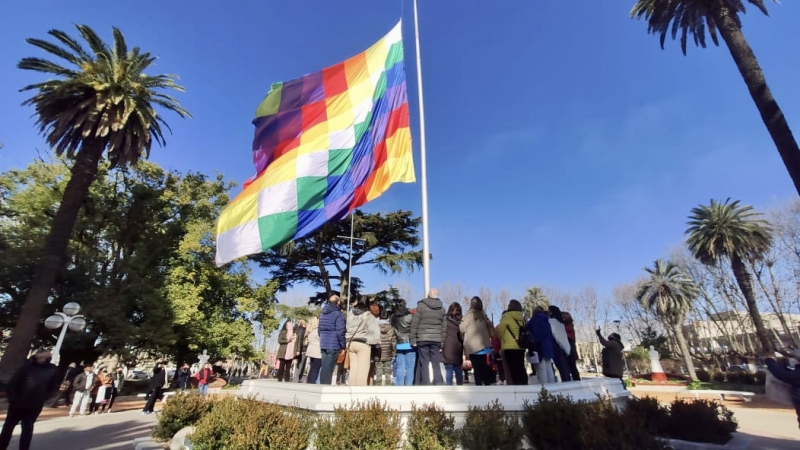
(453,399)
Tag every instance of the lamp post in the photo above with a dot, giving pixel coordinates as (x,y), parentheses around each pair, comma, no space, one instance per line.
(67,319)
(624,359)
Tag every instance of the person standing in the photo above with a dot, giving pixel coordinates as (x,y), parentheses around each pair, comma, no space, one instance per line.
(183,377)
(360,337)
(428,332)
(331,338)
(406,357)
(313,351)
(544,344)
(453,348)
(105,391)
(301,345)
(510,328)
(790,377)
(286,351)
(477,341)
(562,348)
(613,365)
(65,390)
(27,392)
(204,378)
(572,358)
(383,368)
(118,379)
(83,385)
(156,388)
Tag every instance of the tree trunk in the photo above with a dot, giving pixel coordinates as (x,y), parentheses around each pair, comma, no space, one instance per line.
(746,285)
(687,358)
(53,258)
(753,76)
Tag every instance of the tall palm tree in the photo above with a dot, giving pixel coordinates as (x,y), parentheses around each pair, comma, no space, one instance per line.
(670,292)
(695,18)
(727,231)
(98,101)
(534,297)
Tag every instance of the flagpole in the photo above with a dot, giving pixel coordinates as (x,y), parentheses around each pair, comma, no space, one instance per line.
(350,264)
(423,163)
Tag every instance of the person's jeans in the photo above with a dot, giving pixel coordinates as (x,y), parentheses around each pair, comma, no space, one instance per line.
(313,370)
(26,417)
(183,383)
(328,363)
(405,360)
(202,389)
(301,367)
(451,369)
(429,354)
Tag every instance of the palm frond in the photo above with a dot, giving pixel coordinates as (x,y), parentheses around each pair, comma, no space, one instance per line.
(53,49)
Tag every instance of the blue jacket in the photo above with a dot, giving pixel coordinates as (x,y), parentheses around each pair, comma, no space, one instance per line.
(331,328)
(539,327)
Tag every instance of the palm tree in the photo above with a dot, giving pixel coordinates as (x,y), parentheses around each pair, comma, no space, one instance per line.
(534,297)
(727,231)
(670,293)
(695,17)
(99,102)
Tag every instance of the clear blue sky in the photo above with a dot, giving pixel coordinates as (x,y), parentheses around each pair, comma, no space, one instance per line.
(565,147)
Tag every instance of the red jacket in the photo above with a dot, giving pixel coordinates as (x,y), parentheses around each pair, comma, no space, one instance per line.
(570,332)
(204,376)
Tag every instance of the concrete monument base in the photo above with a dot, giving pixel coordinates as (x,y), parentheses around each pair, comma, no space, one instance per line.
(455,400)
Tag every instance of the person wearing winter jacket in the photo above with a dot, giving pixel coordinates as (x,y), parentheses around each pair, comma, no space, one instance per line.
(511,326)
(453,349)
(362,332)
(286,351)
(313,351)
(475,327)
(562,348)
(406,356)
(544,344)
(383,368)
(428,332)
(572,358)
(613,365)
(790,377)
(27,391)
(331,338)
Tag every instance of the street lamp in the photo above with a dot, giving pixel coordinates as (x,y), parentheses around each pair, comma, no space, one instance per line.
(67,319)
(624,359)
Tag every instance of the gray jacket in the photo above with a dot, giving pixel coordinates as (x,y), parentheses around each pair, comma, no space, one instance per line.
(429,323)
(402,327)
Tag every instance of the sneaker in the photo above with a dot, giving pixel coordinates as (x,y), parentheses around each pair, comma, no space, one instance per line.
(72,414)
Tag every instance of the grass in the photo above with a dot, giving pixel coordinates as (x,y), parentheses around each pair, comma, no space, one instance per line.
(716,386)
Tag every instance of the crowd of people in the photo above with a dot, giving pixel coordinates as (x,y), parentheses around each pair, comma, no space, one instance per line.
(367,345)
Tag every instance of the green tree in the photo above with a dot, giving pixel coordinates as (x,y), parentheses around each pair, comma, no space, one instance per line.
(385,242)
(534,297)
(696,17)
(727,231)
(102,101)
(659,342)
(670,293)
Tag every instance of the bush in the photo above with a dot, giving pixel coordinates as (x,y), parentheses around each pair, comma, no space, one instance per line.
(703,376)
(368,426)
(748,379)
(761,378)
(489,428)
(558,422)
(701,421)
(653,417)
(718,377)
(180,411)
(248,424)
(430,428)
(733,377)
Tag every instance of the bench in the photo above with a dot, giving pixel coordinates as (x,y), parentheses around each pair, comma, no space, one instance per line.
(746,396)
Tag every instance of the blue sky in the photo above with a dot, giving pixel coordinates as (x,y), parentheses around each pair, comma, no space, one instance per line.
(565,148)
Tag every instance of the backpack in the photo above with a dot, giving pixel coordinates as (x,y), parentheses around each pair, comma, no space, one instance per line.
(525,340)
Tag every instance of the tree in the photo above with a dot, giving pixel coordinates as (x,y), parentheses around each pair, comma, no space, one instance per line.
(695,17)
(534,297)
(670,293)
(726,230)
(105,103)
(659,342)
(385,243)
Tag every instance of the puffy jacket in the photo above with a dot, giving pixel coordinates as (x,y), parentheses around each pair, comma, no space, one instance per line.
(539,327)
(429,323)
(453,348)
(358,325)
(475,332)
(613,366)
(388,341)
(32,385)
(331,328)
(560,335)
(402,327)
(511,323)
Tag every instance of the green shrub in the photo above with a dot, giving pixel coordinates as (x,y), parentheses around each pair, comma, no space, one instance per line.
(718,377)
(734,377)
(489,428)
(761,378)
(701,421)
(748,379)
(703,376)
(430,428)
(650,413)
(558,422)
(180,411)
(364,426)
(248,424)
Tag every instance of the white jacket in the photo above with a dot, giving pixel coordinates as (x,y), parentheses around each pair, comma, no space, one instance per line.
(560,334)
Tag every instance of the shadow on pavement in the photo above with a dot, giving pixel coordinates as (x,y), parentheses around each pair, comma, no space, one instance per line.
(71,434)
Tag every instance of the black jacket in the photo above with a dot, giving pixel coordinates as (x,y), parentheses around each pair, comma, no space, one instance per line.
(453,349)
(159,379)
(183,374)
(79,383)
(32,385)
(613,366)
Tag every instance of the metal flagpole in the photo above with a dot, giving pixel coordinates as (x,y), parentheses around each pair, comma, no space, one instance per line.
(423,163)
